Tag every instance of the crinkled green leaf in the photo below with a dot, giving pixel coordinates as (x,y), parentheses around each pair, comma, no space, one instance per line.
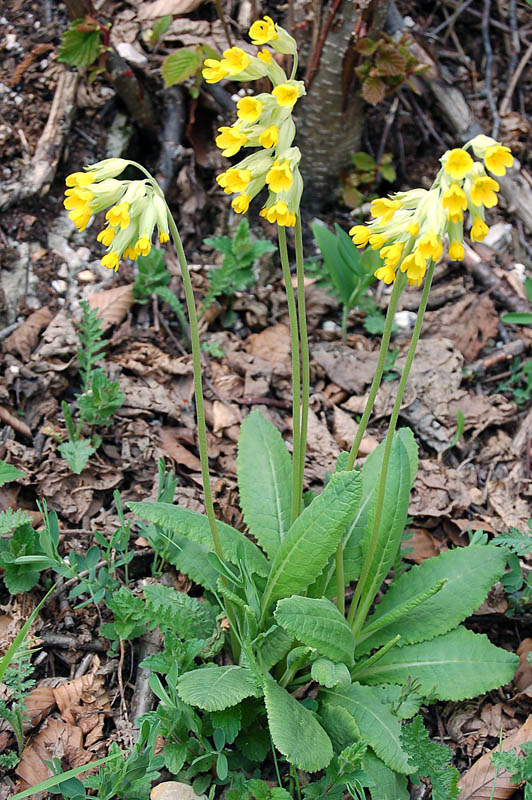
(295,731)
(389,785)
(330,674)
(470,573)
(319,624)
(81,44)
(216,688)
(264,472)
(453,666)
(181,64)
(77,454)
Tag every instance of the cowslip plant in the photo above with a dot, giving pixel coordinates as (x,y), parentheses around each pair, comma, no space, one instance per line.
(282,590)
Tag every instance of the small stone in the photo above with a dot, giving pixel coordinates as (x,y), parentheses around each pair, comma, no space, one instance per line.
(59,286)
(63,271)
(498,235)
(83,253)
(86,276)
(404,320)
(131,53)
(173,790)
(331,326)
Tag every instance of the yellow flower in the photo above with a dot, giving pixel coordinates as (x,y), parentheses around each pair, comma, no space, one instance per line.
(265,56)
(498,159)
(454,200)
(164,237)
(385,273)
(106,236)
(269,136)
(286,94)
(392,254)
(483,192)
(249,109)
(415,267)
(234,180)
(413,229)
(479,230)
(235,61)
(111,260)
(377,240)
(130,253)
(430,246)
(80,179)
(118,215)
(457,163)
(456,251)
(230,140)
(80,217)
(142,246)
(77,198)
(214,70)
(263,31)
(360,235)
(279,177)
(279,213)
(384,208)
(240,204)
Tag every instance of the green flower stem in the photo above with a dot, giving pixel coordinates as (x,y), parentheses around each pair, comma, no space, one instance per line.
(340,577)
(200,415)
(296,375)
(369,662)
(305,359)
(357,614)
(377,377)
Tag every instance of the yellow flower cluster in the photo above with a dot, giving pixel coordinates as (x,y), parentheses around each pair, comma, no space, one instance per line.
(265,121)
(134,209)
(408,229)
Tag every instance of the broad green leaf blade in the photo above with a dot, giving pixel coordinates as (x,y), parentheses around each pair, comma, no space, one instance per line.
(177,611)
(319,624)
(370,476)
(374,721)
(264,472)
(9,473)
(295,731)
(342,277)
(330,674)
(80,48)
(470,573)
(312,538)
(180,65)
(389,785)
(196,527)
(216,688)
(392,522)
(187,556)
(454,666)
(272,646)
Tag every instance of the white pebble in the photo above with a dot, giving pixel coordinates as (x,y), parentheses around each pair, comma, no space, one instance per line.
(59,286)
(404,320)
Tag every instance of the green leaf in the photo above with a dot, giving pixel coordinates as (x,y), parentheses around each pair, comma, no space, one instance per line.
(173,610)
(454,666)
(77,454)
(528,288)
(174,756)
(272,646)
(389,785)
(376,724)
(312,538)
(364,161)
(21,577)
(187,556)
(9,519)
(392,521)
(295,731)
(330,674)
(229,721)
(264,472)
(433,760)
(389,60)
(196,527)
(159,29)
(9,473)
(339,724)
(343,279)
(80,44)
(517,318)
(180,65)
(387,171)
(470,572)
(366,46)
(319,624)
(216,688)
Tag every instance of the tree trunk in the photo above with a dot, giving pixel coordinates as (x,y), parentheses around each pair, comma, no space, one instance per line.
(330,122)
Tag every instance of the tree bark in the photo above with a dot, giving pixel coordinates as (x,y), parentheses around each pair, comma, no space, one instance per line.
(331,120)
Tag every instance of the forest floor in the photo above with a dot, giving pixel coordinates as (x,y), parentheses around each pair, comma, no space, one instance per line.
(468,361)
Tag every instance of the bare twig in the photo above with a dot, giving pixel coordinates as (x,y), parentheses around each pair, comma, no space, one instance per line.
(171,148)
(71,643)
(390,117)
(485,28)
(505,106)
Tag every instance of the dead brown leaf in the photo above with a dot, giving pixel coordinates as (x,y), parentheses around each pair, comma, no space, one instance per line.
(143,358)
(272,345)
(422,545)
(441,491)
(83,701)
(503,496)
(15,422)
(469,323)
(170,444)
(159,8)
(113,304)
(39,703)
(24,340)
(224,415)
(322,452)
(59,343)
(478,782)
(54,739)
(353,370)
(523,675)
